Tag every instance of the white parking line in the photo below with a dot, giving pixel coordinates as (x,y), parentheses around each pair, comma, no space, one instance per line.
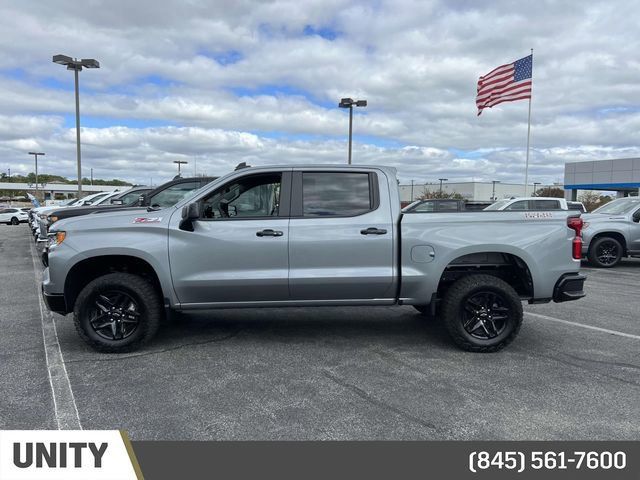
(64,403)
(590,327)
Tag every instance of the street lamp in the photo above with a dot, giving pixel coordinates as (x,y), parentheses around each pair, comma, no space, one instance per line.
(180,162)
(35,154)
(534,188)
(493,195)
(412,190)
(76,65)
(442,180)
(349,103)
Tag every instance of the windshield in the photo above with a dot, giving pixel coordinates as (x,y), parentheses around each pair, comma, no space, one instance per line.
(619,207)
(498,205)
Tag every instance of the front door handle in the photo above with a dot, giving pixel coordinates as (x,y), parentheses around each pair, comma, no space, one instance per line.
(269,233)
(373,231)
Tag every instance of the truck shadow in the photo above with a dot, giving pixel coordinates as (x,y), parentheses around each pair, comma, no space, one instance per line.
(302,326)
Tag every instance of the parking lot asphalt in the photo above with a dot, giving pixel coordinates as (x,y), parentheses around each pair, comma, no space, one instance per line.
(333,373)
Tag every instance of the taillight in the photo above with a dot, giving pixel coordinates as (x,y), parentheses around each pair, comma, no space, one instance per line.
(576,224)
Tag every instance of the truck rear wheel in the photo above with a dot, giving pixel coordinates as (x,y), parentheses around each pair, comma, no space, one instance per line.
(482,313)
(117,312)
(605,252)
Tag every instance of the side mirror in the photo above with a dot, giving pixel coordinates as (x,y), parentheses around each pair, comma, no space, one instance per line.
(636,216)
(117,201)
(86,203)
(190,213)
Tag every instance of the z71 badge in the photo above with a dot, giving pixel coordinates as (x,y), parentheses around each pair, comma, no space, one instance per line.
(534,215)
(147,220)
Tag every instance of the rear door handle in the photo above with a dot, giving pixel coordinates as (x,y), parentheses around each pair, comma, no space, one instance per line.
(373,231)
(269,233)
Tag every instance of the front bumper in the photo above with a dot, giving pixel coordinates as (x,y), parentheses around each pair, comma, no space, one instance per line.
(55,302)
(569,287)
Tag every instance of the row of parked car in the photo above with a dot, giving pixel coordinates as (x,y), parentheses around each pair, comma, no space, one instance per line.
(610,233)
(165,195)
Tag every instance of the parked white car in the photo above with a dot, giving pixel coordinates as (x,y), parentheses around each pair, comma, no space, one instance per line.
(14,216)
(531,203)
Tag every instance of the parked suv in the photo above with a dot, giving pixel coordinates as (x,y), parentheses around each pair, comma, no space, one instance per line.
(612,232)
(14,216)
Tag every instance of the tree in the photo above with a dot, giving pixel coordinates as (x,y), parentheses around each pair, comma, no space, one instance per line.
(593,200)
(430,195)
(556,192)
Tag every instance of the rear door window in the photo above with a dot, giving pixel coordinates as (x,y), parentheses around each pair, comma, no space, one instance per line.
(326,194)
(546,205)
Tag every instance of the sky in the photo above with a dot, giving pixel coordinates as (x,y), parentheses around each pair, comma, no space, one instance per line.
(216,83)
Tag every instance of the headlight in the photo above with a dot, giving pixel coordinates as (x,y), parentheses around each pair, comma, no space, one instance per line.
(57,237)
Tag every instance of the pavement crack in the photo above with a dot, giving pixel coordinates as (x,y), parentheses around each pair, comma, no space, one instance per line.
(604,362)
(366,396)
(155,352)
(578,365)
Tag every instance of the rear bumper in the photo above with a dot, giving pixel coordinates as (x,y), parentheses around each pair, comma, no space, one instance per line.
(569,287)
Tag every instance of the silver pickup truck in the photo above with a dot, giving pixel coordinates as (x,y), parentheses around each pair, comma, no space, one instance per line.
(309,236)
(612,232)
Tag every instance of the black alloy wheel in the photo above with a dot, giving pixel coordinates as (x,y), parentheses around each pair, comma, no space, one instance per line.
(14,221)
(485,315)
(115,316)
(607,252)
(481,312)
(118,312)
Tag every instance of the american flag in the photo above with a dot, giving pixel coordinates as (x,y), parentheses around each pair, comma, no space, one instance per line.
(505,83)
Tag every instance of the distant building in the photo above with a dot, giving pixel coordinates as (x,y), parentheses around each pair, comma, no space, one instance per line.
(621,175)
(482,191)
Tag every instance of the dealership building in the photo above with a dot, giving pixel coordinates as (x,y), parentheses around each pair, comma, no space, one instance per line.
(621,175)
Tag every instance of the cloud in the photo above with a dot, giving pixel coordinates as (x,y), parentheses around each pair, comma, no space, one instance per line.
(221,82)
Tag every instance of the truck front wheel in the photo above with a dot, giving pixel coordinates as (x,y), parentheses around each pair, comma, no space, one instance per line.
(482,313)
(117,312)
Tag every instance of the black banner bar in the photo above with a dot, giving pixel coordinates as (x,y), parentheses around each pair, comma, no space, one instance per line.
(389,460)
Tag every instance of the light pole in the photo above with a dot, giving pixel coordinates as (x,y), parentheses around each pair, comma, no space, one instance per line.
(76,65)
(442,180)
(35,154)
(349,103)
(412,190)
(534,188)
(493,195)
(180,162)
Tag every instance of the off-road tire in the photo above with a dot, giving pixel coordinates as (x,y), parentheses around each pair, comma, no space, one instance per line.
(454,302)
(593,252)
(137,287)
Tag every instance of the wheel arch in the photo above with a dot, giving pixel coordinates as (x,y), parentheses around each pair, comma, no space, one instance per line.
(611,234)
(86,270)
(504,265)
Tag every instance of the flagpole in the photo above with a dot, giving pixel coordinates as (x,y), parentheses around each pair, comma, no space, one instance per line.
(526,168)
